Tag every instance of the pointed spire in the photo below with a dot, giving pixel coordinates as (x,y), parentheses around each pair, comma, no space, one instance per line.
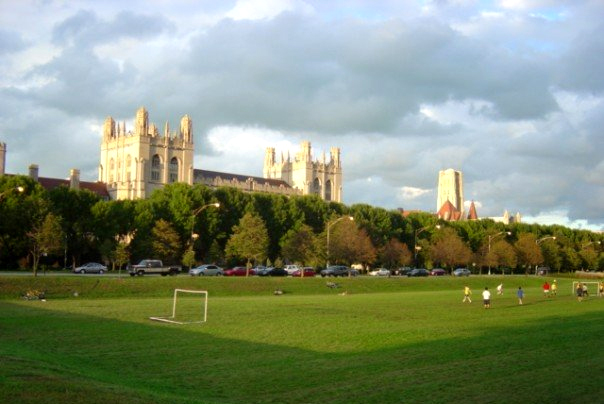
(472,215)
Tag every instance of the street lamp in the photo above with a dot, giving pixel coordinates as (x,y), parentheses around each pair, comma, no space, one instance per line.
(509,233)
(416,248)
(196,212)
(19,189)
(329,225)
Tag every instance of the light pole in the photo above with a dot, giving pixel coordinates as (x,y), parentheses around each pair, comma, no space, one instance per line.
(416,248)
(329,225)
(491,237)
(196,212)
(541,240)
(19,189)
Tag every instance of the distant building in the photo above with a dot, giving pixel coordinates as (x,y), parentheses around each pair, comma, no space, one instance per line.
(134,163)
(507,218)
(449,204)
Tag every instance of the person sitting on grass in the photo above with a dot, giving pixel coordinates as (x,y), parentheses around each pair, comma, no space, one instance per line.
(486,298)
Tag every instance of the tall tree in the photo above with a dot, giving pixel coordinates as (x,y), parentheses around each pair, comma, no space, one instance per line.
(298,245)
(449,249)
(166,242)
(249,240)
(395,253)
(529,253)
(46,238)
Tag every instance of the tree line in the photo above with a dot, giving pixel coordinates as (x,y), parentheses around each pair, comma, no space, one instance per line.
(188,225)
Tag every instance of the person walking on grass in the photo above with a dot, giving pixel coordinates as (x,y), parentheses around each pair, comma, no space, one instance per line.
(500,289)
(546,289)
(486,298)
(520,294)
(466,294)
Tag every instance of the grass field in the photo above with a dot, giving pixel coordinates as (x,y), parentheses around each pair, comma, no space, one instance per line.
(385,341)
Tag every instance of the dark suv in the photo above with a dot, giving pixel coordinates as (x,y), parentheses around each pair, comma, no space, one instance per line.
(335,270)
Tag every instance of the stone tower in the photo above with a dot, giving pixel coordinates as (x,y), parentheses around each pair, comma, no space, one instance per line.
(311,177)
(450,188)
(134,164)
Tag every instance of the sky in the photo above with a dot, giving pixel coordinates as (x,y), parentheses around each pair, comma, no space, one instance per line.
(509,92)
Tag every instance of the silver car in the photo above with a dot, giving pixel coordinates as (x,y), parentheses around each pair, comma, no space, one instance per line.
(90,268)
(206,270)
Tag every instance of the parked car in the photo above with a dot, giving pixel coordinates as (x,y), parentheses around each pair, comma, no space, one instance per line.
(542,271)
(336,270)
(380,272)
(238,271)
(309,272)
(461,272)
(277,272)
(418,272)
(90,268)
(262,271)
(402,271)
(438,272)
(291,268)
(206,270)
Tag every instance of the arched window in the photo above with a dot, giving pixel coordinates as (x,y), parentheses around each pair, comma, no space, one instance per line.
(128,166)
(328,190)
(111,170)
(173,170)
(316,187)
(155,168)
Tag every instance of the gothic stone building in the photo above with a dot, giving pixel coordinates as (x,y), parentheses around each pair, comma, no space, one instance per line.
(135,163)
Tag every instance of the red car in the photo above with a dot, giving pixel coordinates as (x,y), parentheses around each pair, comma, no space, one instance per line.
(309,272)
(238,271)
(438,272)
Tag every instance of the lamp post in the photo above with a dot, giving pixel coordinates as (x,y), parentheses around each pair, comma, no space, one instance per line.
(19,189)
(541,240)
(329,225)
(416,248)
(491,237)
(196,212)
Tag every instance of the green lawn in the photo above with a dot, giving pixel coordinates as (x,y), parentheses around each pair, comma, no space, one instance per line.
(386,341)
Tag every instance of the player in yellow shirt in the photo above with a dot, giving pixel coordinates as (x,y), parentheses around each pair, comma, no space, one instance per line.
(466,294)
(554,288)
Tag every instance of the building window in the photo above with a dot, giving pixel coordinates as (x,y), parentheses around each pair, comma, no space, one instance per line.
(328,190)
(173,170)
(316,187)
(155,168)
(128,165)
(111,170)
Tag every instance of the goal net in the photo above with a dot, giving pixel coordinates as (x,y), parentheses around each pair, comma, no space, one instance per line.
(593,288)
(188,307)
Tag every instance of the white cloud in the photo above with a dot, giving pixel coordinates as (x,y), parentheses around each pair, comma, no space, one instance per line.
(266,9)
(408,193)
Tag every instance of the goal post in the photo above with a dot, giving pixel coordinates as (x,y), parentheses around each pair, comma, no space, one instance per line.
(595,289)
(185,312)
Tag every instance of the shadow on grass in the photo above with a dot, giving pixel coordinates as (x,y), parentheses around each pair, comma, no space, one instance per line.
(49,356)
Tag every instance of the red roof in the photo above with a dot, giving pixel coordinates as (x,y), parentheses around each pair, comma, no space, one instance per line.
(472,215)
(448,212)
(99,188)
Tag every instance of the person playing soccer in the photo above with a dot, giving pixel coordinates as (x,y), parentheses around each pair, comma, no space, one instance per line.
(554,288)
(466,294)
(579,291)
(500,289)
(520,294)
(546,289)
(486,298)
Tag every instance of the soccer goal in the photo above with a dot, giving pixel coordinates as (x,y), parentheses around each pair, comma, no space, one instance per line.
(592,287)
(188,307)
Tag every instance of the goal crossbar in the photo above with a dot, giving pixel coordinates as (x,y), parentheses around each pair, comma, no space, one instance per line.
(597,285)
(172,319)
